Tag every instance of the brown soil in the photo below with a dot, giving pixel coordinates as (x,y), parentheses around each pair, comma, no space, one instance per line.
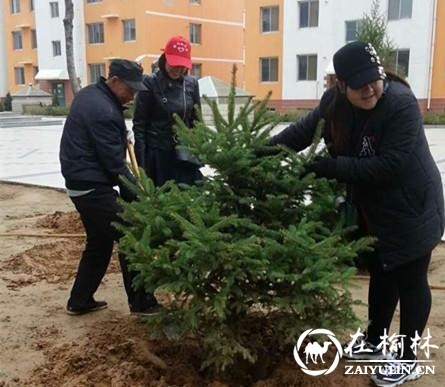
(42,346)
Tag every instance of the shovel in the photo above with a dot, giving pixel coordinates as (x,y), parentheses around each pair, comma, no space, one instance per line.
(134,163)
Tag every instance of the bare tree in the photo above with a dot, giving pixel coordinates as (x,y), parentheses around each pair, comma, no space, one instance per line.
(68,25)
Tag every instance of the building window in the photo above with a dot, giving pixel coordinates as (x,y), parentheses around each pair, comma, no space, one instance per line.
(195,33)
(15,6)
(17,43)
(57,48)
(400,62)
(31,5)
(400,9)
(19,73)
(269,69)
(97,70)
(307,67)
(54,7)
(129,27)
(269,19)
(195,2)
(308,13)
(95,33)
(352,27)
(196,70)
(93,1)
(33,39)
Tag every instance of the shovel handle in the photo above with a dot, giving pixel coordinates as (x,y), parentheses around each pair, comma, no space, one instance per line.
(134,163)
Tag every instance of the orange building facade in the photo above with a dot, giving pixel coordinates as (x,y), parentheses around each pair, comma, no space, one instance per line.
(437,93)
(138,30)
(264,46)
(135,30)
(248,33)
(20,43)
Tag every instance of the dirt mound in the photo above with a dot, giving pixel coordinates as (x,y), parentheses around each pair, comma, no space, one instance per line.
(117,353)
(54,262)
(114,353)
(62,223)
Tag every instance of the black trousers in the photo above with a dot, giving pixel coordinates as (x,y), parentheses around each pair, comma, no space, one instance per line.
(98,210)
(163,165)
(409,285)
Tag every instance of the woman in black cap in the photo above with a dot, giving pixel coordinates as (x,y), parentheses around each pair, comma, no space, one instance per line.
(377,145)
(170,91)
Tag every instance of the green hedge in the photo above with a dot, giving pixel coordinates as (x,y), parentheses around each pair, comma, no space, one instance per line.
(429,118)
(37,110)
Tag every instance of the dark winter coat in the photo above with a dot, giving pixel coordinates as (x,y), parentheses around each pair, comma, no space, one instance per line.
(153,126)
(395,182)
(153,121)
(93,145)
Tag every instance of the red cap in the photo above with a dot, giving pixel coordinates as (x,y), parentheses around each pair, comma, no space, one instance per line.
(178,52)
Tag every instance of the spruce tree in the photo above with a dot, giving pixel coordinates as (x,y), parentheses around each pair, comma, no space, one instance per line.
(253,255)
(373,29)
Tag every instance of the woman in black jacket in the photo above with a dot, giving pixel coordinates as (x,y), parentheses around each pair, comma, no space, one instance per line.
(170,91)
(374,133)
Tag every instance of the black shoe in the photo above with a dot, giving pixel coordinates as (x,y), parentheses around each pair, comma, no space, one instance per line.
(147,311)
(79,310)
(395,373)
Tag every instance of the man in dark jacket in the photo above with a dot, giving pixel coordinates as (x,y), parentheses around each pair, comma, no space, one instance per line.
(93,156)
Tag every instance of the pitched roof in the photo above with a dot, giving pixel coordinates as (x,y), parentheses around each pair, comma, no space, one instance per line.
(214,87)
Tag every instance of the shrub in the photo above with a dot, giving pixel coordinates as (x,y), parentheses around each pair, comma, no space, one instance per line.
(431,118)
(7,103)
(38,110)
(252,256)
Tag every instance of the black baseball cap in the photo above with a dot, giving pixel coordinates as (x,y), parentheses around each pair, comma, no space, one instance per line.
(358,64)
(129,72)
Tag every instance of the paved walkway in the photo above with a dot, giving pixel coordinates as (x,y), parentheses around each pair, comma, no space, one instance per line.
(31,154)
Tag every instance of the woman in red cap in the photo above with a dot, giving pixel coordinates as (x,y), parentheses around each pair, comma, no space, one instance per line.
(170,91)
(375,137)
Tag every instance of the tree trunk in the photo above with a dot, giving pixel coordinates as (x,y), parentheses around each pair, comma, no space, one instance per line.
(68,25)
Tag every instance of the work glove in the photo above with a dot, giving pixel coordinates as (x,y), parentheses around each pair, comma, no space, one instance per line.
(322,167)
(130,136)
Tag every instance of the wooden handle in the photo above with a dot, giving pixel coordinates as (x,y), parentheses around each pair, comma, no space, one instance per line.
(134,163)
(39,235)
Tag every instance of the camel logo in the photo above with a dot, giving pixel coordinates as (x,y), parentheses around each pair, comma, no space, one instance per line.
(314,351)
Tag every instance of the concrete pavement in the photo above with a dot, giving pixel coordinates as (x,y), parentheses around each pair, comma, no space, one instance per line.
(30,154)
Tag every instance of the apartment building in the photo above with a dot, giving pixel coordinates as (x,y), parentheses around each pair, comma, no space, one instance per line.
(313,30)
(264,47)
(3,61)
(282,46)
(52,74)
(107,29)
(139,29)
(436,99)
(19,34)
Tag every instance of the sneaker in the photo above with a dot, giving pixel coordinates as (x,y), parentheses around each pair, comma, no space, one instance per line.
(79,310)
(394,373)
(364,350)
(147,311)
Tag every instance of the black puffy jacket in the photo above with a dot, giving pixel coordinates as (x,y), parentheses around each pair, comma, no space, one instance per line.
(153,122)
(389,167)
(93,145)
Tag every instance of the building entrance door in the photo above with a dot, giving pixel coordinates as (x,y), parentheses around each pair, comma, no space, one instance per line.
(58,90)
